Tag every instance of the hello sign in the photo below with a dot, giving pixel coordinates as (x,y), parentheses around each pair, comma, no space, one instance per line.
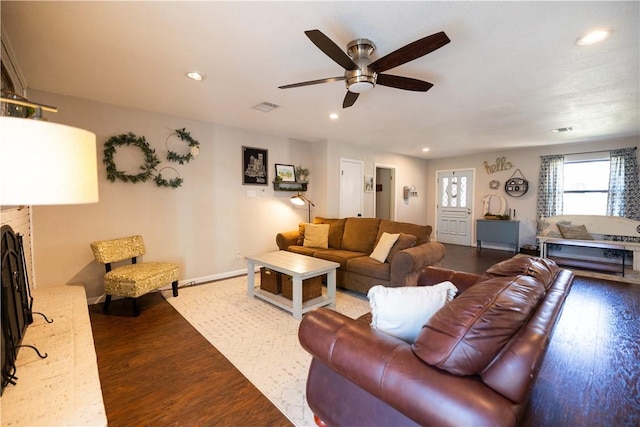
(501,164)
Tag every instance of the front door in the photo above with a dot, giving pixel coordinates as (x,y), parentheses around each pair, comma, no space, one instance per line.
(455,190)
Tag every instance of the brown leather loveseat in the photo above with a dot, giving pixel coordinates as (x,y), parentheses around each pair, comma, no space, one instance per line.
(472,364)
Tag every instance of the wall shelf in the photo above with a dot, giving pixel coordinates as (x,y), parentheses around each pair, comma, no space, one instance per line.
(290,186)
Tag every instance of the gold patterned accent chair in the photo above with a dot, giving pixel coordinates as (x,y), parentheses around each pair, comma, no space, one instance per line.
(135,279)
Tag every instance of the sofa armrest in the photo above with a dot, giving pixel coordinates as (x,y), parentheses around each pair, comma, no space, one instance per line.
(387,368)
(407,264)
(286,239)
(433,275)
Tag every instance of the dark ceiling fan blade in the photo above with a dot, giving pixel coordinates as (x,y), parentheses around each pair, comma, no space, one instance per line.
(405,83)
(410,52)
(312,82)
(350,99)
(331,49)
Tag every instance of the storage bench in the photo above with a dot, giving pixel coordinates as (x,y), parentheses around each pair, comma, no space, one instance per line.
(598,226)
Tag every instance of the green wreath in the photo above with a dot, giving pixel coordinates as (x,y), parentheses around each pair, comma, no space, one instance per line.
(172,183)
(150,158)
(194,147)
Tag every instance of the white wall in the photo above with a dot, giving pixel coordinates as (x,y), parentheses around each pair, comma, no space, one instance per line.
(409,171)
(528,161)
(201,225)
(204,223)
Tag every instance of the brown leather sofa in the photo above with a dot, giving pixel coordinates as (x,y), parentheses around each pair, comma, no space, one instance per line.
(351,241)
(472,364)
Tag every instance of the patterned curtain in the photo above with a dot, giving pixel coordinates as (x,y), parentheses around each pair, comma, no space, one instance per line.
(624,189)
(624,193)
(550,186)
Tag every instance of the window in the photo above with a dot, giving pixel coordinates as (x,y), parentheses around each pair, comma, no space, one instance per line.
(586,187)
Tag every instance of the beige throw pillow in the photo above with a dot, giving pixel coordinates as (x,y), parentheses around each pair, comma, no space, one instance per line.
(316,236)
(578,232)
(383,247)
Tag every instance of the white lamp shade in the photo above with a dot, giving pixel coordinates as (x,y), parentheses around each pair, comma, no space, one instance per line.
(297,200)
(44,163)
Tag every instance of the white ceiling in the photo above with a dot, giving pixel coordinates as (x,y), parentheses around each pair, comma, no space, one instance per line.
(511,73)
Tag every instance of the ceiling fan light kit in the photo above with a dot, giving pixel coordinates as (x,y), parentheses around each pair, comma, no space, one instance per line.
(362,79)
(361,74)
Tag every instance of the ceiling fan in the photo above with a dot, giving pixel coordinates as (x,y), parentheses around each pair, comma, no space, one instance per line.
(361,74)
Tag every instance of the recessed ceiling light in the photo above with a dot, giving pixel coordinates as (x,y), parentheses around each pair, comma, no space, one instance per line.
(333,116)
(593,37)
(194,75)
(424,150)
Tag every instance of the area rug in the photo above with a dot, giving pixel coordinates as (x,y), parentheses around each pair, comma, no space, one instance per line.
(258,338)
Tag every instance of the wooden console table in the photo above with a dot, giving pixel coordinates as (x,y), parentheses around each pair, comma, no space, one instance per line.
(499,231)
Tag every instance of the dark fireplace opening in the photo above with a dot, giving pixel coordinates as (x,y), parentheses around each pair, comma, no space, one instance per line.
(16,302)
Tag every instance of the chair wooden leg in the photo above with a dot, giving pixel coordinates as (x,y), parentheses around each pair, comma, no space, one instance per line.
(174,285)
(107,302)
(136,307)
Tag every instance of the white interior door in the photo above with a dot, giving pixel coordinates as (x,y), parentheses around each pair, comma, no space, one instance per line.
(455,190)
(351,187)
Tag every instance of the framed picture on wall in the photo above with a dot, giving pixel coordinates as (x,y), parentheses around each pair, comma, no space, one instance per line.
(368,183)
(254,166)
(286,173)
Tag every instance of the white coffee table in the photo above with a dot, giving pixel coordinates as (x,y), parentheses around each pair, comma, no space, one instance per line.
(299,267)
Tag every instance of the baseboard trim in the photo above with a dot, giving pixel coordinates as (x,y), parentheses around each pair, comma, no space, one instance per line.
(185,283)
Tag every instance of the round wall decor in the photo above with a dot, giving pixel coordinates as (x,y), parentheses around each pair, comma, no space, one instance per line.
(494,184)
(194,147)
(171,183)
(516,186)
(150,159)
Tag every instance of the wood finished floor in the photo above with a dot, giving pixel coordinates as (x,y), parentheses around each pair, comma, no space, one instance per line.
(158,370)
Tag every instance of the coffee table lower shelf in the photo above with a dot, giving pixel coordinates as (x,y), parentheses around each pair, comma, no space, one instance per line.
(287,304)
(299,267)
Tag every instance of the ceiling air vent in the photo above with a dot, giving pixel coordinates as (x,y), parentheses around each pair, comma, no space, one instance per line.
(567,129)
(265,107)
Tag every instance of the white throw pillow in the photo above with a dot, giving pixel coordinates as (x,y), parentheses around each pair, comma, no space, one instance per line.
(403,311)
(316,236)
(382,249)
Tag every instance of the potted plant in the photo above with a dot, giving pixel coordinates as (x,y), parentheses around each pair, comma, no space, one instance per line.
(302,173)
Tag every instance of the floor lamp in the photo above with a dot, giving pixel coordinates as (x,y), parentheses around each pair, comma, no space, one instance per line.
(300,200)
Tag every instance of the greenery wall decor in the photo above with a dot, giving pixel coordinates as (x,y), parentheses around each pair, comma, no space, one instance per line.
(194,147)
(150,158)
(172,183)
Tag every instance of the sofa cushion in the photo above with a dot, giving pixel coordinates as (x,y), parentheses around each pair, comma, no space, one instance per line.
(305,251)
(405,241)
(360,234)
(338,255)
(542,269)
(369,267)
(336,230)
(402,311)
(316,236)
(422,232)
(383,247)
(466,334)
